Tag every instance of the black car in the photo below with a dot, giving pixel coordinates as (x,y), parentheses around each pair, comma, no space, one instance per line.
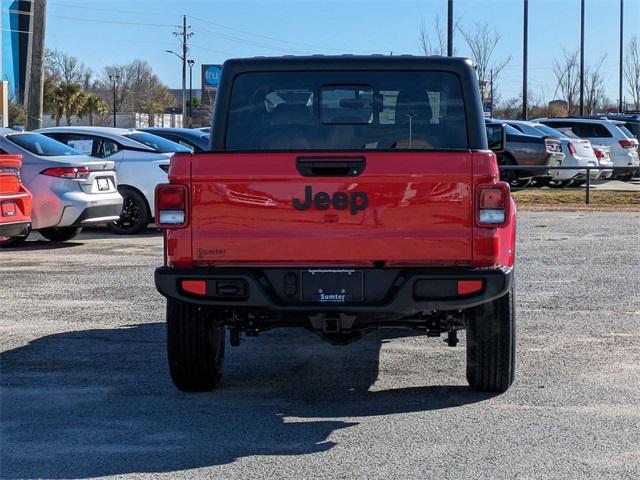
(196,140)
(527,150)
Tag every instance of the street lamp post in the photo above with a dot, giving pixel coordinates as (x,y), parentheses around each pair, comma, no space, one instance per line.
(182,59)
(191,63)
(114,79)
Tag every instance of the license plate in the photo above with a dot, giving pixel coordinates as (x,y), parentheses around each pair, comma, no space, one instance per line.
(8,209)
(332,286)
(103,184)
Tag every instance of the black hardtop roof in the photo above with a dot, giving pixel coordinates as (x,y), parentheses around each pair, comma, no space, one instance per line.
(346,62)
(462,67)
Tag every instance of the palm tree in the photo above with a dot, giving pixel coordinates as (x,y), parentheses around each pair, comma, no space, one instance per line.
(93,105)
(70,98)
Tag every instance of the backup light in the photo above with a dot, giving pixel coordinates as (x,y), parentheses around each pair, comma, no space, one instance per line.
(492,204)
(171,205)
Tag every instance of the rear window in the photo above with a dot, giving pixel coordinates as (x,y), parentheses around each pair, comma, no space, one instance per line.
(625,130)
(159,144)
(41,145)
(346,110)
(582,129)
(567,133)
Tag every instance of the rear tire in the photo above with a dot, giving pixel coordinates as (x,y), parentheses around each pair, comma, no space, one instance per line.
(491,345)
(195,347)
(135,215)
(60,234)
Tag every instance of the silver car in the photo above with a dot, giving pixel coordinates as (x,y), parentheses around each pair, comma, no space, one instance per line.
(69,190)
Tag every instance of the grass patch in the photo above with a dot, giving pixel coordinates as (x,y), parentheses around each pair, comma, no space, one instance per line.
(557,199)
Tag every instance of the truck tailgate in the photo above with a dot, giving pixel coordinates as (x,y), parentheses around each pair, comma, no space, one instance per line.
(403,208)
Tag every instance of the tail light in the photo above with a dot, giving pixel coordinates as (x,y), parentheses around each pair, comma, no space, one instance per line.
(171,205)
(553,146)
(67,172)
(628,143)
(599,153)
(572,149)
(493,204)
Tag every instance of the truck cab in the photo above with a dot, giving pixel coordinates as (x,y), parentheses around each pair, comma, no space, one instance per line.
(340,194)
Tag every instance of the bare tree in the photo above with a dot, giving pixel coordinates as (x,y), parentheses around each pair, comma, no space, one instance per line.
(434,42)
(482,42)
(66,68)
(594,88)
(138,88)
(567,75)
(632,71)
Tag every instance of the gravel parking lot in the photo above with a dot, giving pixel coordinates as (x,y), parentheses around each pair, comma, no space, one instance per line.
(85,389)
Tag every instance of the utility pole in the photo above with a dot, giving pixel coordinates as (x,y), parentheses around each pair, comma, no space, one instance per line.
(184,38)
(114,79)
(491,98)
(620,106)
(36,67)
(581,57)
(191,63)
(525,60)
(450,29)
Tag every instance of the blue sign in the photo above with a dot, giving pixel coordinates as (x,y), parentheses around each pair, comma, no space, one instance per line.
(210,76)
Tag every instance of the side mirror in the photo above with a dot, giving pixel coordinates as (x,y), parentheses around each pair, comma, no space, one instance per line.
(496,136)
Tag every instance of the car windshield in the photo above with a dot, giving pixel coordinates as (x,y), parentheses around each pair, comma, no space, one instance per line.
(159,144)
(41,145)
(346,110)
(556,133)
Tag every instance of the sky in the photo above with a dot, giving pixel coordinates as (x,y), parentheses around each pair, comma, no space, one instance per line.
(103,32)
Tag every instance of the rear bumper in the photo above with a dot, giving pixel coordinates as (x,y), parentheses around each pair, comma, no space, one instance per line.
(388,292)
(14,229)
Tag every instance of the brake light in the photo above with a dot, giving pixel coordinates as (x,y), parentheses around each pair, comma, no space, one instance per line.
(629,143)
(67,172)
(171,205)
(572,149)
(599,153)
(553,147)
(493,204)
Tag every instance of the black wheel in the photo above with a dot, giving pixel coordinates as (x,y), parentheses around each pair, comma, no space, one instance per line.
(195,346)
(511,176)
(491,345)
(135,215)
(60,234)
(12,242)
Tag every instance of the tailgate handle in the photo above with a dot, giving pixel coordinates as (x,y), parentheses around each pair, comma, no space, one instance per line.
(330,167)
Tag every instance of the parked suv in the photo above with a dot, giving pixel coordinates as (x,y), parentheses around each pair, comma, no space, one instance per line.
(624,146)
(341,194)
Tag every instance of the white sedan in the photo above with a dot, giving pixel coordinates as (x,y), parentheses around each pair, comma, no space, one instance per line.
(141,161)
(69,190)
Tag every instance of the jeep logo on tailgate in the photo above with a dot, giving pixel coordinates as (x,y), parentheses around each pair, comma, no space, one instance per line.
(355,201)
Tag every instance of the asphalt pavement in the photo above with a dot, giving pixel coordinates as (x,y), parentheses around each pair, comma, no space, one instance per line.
(85,390)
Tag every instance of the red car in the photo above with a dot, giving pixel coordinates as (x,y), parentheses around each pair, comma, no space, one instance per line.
(15,203)
(341,194)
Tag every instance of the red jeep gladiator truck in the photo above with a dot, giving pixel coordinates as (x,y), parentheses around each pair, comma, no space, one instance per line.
(340,194)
